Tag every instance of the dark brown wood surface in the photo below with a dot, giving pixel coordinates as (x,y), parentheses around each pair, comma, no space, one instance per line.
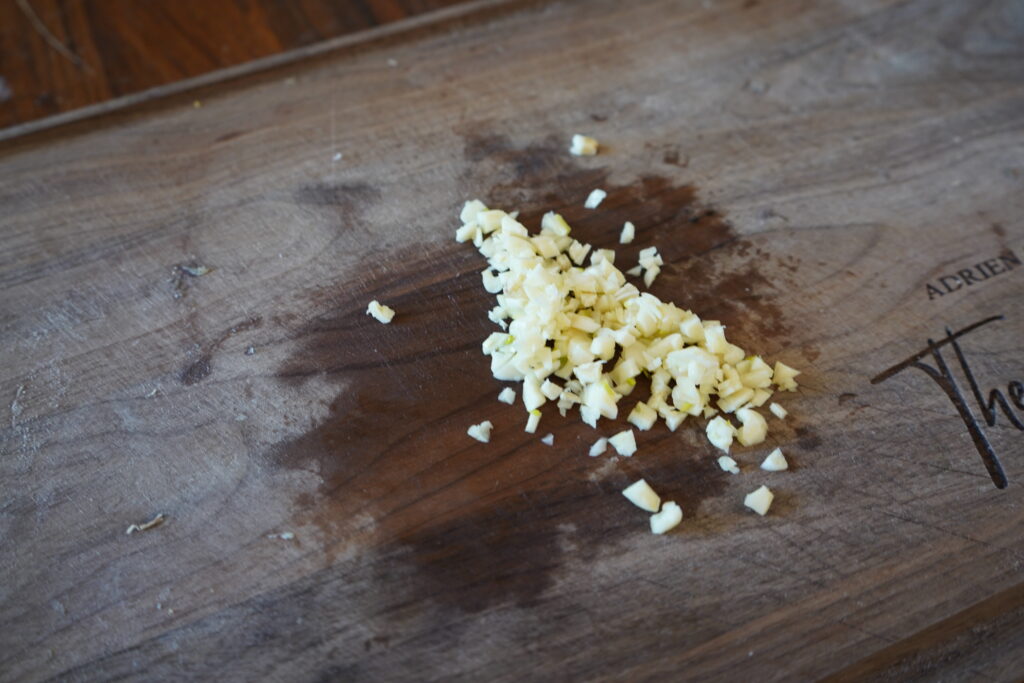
(59,55)
(807,169)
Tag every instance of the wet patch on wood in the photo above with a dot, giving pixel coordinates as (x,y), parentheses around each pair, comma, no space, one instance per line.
(477,525)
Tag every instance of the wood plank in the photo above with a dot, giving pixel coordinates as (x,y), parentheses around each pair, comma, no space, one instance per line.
(57,56)
(806,169)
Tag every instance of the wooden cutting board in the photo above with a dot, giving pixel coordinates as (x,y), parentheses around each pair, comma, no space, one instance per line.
(182,314)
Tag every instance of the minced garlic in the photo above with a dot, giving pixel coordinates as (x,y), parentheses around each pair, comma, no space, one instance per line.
(577,333)
(641,494)
(583,145)
(775,462)
(381,312)
(666,520)
(482,431)
(759,500)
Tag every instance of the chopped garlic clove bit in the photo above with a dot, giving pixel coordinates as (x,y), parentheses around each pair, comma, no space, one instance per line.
(784,376)
(720,433)
(599,447)
(550,390)
(778,411)
(507,395)
(381,312)
(640,493)
(548,440)
(643,416)
(666,520)
(533,421)
(471,210)
(775,462)
(583,145)
(594,199)
(628,232)
(568,317)
(760,500)
(532,396)
(481,432)
(754,427)
(728,464)
(624,443)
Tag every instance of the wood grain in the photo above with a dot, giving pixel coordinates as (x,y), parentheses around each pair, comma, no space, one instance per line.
(59,55)
(806,168)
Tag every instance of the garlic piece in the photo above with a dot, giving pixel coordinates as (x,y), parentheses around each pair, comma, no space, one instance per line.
(783,376)
(728,464)
(470,210)
(583,145)
(720,433)
(666,520)
(599,447)
(532,396)
(564,316)
(550,390)
(532,421)
(481,432)
(381,312)
(548,440)
(775,462)
(594,199)
(643,416)
(624,443)
(640,493)
(754,427)
(507,395)
(760,500)
(628,232)
(778,411)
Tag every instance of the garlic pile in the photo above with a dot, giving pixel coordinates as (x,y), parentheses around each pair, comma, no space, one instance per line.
(575,332)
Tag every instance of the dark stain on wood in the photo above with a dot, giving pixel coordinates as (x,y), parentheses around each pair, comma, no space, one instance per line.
(226,137)
(344,196)
(201,368)
(394,435)
(397,382)
(512,551)
(196,372)
(807,438)
(672,157)
(182,274)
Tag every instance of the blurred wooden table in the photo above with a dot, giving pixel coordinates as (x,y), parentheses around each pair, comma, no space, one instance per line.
(60,55)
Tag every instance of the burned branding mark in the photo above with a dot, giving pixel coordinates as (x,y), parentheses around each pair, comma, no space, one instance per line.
(466,524)
(1004,262)
(989,406)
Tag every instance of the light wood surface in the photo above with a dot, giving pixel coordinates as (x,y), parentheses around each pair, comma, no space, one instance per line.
(807,169)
